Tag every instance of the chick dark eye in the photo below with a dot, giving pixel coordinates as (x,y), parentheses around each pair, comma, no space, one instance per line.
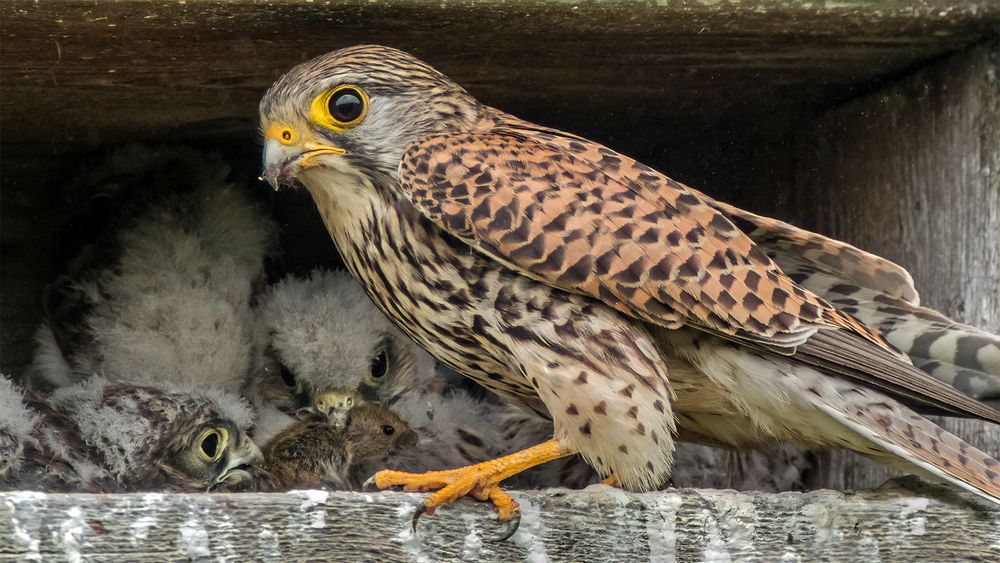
(346,105)
(287,376)
(210,445)
(388,430)
(380,365)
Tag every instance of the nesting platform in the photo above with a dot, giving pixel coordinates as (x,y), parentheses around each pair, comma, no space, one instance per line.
(596,524)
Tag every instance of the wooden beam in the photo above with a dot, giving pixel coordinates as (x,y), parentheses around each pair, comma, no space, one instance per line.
(83,73)
(596,524)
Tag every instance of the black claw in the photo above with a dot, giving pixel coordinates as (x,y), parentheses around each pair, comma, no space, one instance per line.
(417,514)
(509,531)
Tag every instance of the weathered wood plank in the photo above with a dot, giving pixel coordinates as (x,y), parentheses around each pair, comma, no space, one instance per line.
(597,524)
(82,73)
(912,172)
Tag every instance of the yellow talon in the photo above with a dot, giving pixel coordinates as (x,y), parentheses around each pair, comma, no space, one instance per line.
(612,481)
(480,481)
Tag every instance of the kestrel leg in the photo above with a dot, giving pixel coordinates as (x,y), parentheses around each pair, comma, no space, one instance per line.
(606,390)
(480,481)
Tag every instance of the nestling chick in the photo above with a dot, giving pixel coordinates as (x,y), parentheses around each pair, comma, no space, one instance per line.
(110,437)
(336,349)
(315,453)
(165,296)
(17,423)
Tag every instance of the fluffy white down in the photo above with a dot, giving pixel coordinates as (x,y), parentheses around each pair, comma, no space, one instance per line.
(122,431)
(444,419)
(324,328)
(48,362)
(231,407)
(16,419)
(176,308)
(120,434)
(187,336)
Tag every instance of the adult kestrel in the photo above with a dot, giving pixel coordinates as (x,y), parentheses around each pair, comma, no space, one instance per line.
(539,263)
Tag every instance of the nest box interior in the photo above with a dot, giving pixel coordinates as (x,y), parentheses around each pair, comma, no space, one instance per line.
(875,122)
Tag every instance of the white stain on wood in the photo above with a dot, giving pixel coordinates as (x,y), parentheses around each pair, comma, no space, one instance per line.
(531,533)
(596,525)
(71,534)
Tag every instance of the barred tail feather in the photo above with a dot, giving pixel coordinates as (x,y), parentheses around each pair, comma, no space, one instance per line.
(960,355)
(899,432)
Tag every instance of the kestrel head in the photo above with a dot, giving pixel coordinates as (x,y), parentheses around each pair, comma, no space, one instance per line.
(354,110)
(335,348)
(149,437)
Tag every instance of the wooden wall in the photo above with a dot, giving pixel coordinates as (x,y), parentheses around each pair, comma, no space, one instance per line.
(911,172)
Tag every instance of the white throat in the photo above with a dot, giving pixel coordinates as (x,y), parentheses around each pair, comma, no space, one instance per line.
(344,197)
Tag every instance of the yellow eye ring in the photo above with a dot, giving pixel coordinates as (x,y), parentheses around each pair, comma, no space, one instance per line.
(211,443)
(340,108)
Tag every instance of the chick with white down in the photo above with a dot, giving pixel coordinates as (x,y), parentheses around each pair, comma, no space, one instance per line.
(172,306)
(329,340)
(97,436)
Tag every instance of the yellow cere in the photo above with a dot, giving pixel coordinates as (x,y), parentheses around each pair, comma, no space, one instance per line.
(283,133)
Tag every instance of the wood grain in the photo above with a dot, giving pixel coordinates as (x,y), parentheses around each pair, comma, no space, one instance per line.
(911,172)
(597,524)
(82,73)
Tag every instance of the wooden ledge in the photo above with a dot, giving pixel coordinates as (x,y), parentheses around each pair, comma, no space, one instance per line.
(78,74)
(598,523)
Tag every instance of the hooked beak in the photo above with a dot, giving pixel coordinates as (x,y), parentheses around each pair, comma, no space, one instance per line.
(330,402)
(244,458)
(334,405)
(286,153)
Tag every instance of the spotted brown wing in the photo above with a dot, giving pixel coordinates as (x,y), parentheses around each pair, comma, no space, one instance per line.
(881,294)
(807,252)
(578,216)
(585,219)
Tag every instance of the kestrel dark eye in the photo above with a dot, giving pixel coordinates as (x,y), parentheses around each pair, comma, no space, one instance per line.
(347,105)
(380,365)
(388,430)
(287,376)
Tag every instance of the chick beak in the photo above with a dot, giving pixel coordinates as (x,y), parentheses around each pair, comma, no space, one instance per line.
(243,459)
(286,152)
(335,404)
